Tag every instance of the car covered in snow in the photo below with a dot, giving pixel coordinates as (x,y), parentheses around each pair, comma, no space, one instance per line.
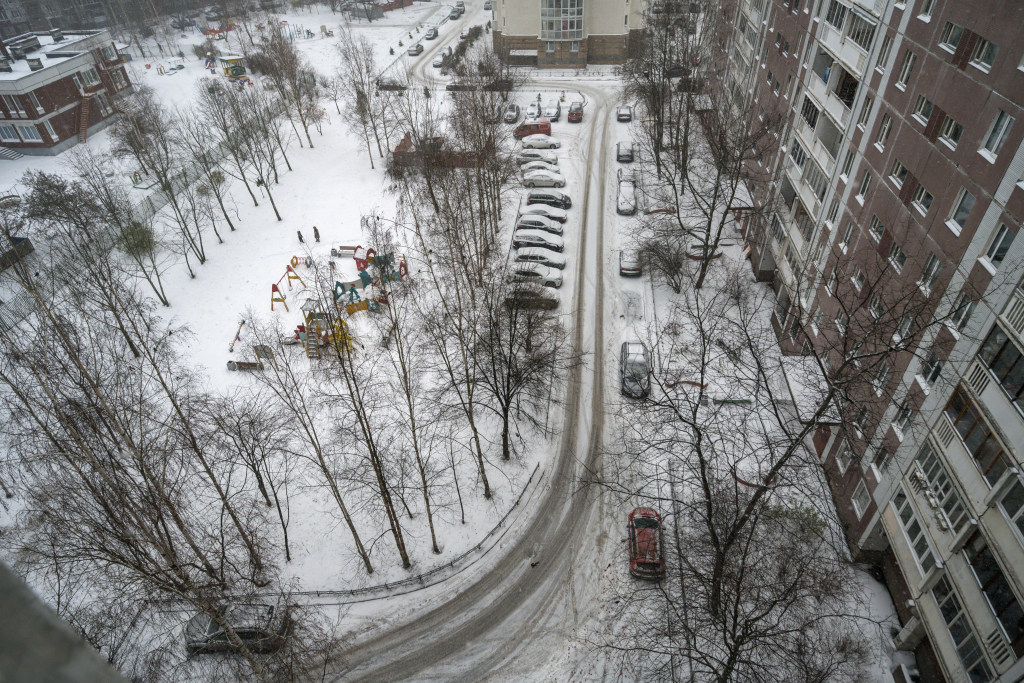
(431,33)
(536,155)
(534,222)
(534,111)
(538,166)
(415,49)
(550,198)
(625,204)
(541,141)
(635,370)
(624,151)
(553,110)
(646,544)
(542,256)
(537,238)
(534,298)
(624,113)
(543,179)
(629,263)
(511,113)
(535,273)
(261,628)
(549,212)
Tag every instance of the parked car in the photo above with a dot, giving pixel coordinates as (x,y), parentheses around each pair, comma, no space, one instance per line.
(533,111)
(415,49)
(461,4)
(460,87)
(550,198)
(263,628)
(537,298)
(538,166)
(511,113)
(535,222)
(537,238)
(626,204)
(624,152)
(487,4)
(646,546)
(549,212)
(464,33)
(624,112)
(575,112)
(536,155)
(629,263)
(543,179)
(454,14)
(534,127)
(438,61)
(553,110)
(541,256)
(431,34)
(541,141)
(535,274)
(635,370)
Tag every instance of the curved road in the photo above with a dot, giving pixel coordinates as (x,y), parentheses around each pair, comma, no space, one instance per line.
(506,613)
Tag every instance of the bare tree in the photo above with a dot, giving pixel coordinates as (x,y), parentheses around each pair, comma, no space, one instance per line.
(294,80)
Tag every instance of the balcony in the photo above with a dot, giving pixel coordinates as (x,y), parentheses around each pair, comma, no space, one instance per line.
(852,55)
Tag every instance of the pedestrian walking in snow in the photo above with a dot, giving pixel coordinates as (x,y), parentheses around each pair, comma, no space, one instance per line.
(299,233)
(316,234)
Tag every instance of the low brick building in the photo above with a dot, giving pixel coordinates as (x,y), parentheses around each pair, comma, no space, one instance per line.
(57,88)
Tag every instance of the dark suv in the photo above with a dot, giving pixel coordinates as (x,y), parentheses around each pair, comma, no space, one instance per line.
(549,197)
(635,370)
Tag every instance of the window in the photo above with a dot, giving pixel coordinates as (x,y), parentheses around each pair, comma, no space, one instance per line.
(29,134)
(865,112)
(77,80)
(930,273)
(951,132)
(844,241)
(777,86)
(832,282)
(110,54)
(848,164)
(897,257)
(1013,505)
(836,14)
(14,105)
(770,78)
(842,322)
(574,46)
(817,180)
(915,533)
(906,69)
(8,134)
(49,129)
(796,151)
(882,376)
(962,209)
(923,109)
(931,368)
(816,320)
(984,54)
(861,32)
(1005,360)
(843,457)
(939,482)
(833,211)
(785,48)
(904,415)
(865,185)
(90,76)
(104,104)
(962,632)
(962,311)
(875,307)
(625,20)
(976,436)
(876,229)
(927,7)
(898,172)
(997,590)
(922,199)
(883,131)
(861,499)
(998,132)
(881,459)
(549,47)
(778,39)
(119,81)
(35,102)
(562,20)
(951,35)
(883,53)
(857,278)
(860,422)
(809,112)
(1000,245)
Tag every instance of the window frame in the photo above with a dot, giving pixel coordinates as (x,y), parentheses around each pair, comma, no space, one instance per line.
(865,186)
(23,127)
(883,53)
(984,54)
(923,108)
(861,489)
(884,129)
(898,172)
(999,245)
(923,199)
(997,133)
(906,69)
(947,33)
(949,127)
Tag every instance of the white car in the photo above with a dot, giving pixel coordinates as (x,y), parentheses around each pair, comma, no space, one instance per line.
(536,274)
(553,110)
(537,238)
(543,179)
(541,256)
(550,212)
(533,222)
(541,141)
(533,111)
(626,205)
(536,155)
(538,166)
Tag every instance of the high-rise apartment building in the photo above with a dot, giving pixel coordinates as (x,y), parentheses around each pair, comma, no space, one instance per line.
(902,151)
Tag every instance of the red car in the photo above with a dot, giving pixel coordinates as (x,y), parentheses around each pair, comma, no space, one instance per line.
(646,550)
(576,112)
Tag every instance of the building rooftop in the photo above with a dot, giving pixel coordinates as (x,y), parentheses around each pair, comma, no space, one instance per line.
(42,46)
